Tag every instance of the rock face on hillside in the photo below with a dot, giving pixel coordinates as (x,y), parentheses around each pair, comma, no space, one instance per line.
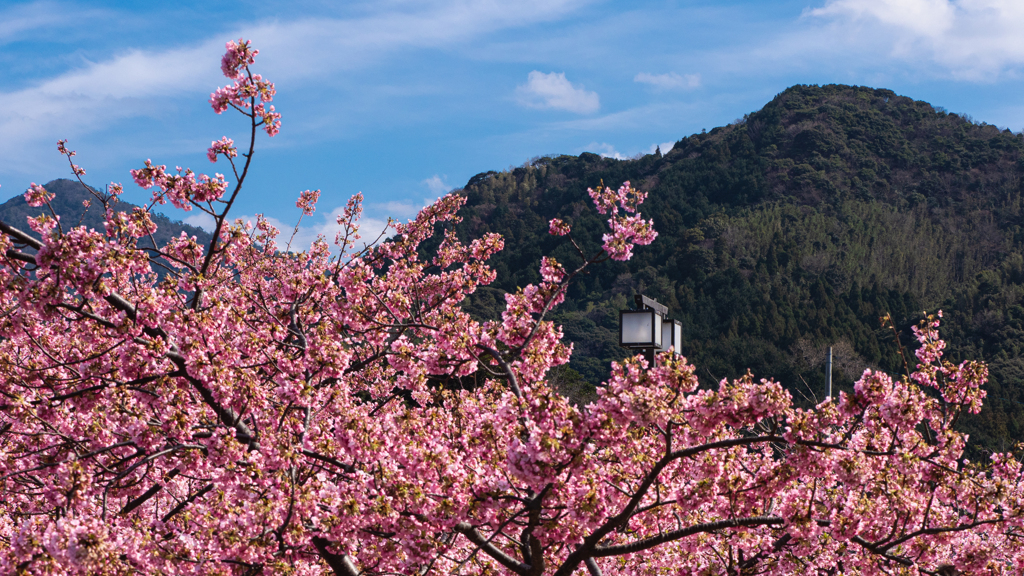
(68,203)
(791,231)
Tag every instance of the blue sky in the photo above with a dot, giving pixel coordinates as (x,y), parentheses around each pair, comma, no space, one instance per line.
(403,100)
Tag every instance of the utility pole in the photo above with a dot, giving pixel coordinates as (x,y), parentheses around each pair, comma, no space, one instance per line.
(828,370)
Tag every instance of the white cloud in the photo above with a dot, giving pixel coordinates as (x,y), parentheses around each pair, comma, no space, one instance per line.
(373,225)
(972,39)
(655,116)
(665,147)
(19,20)
(130,85)
(401,209)
(46,18)
(201,220)
(308,48)
(139,83)
(437,185)
(923,17)
(669,81)
(604,149)
(554,91)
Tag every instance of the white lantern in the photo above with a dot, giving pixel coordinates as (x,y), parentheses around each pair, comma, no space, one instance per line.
(671,335)
(640,329)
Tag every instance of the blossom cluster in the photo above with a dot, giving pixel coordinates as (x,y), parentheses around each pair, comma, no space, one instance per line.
(558,227)
(182,188)
(626,231)
(225,146)
(961,384)
(36,195)
(247,88)
(238,56)
(307,201)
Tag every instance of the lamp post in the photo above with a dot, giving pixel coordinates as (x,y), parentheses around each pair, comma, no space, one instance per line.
(646,329)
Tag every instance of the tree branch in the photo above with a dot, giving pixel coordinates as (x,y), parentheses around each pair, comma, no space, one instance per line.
(513,382)
(148,494)
(334,461)
(341,564)
(16,255)
(21,237)
(186,502)
(647,543)
(491,550)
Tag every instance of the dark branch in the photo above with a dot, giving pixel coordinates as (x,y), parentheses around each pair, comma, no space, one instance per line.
(647,543)
(341,564)
(148,494)
(20,237)
(181,505)
(15,255)
(333,461)
(491,550)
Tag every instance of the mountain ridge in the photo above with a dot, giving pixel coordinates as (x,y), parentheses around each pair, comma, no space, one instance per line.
(69,196)
(791,230)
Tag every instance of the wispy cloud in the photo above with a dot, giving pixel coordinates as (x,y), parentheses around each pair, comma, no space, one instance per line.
(139,83)
(313,46)
(605,150)
(923,17)
(201,220)
(646,117)
(373,225)
(28,20)
(396,209)
(664,147)
(669,81)
(18,20)
(972,39)
(91,98)
(554,91)
(437,185)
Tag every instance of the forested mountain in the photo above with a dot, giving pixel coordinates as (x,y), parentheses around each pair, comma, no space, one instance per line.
(782,234)
(793,230)
(69,196)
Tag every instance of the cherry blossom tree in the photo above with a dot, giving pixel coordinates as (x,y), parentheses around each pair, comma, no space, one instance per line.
(236,408)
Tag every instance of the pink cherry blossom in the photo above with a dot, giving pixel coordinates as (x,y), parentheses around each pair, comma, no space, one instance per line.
(225,146)
(239,55)
(270,119)
(307,201)
(248,410)
(626,231)
(62,148)
(36,195)
(558,228)
(249,91)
